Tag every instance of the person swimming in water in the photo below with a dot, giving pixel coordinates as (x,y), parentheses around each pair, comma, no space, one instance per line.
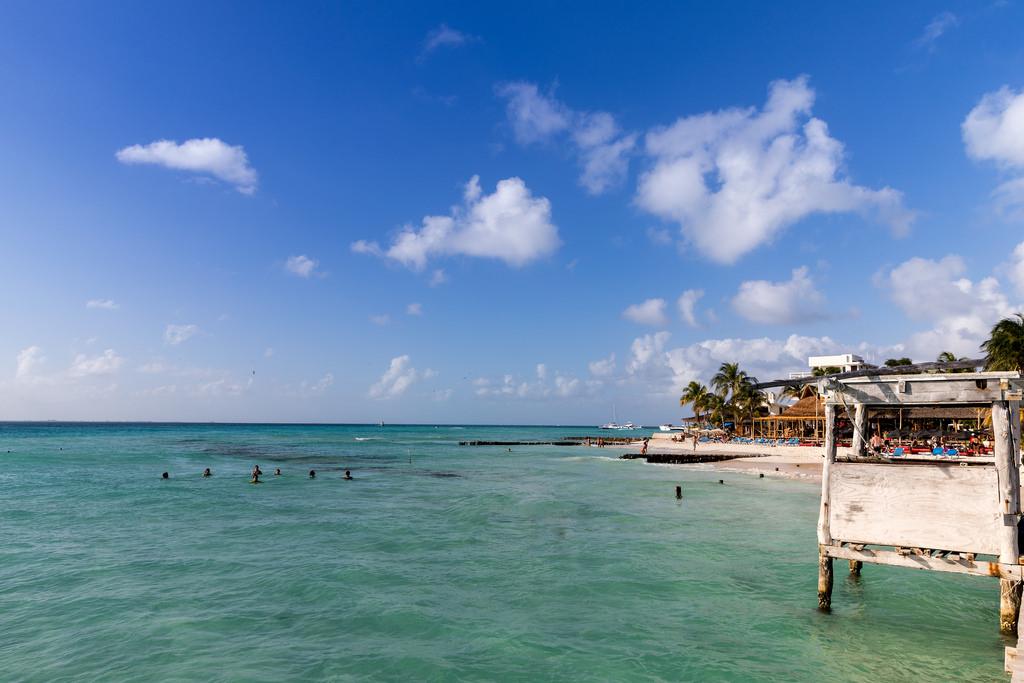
(255,479)
(207,473)
(312,474)
(348,475)
(256,471)
(277,471)
(166,476)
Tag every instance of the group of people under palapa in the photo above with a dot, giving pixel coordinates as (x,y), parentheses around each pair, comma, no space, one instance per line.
(256,472)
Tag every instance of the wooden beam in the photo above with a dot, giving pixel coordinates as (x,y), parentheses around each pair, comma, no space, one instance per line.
(1013,572)
(919,390)
(884,370)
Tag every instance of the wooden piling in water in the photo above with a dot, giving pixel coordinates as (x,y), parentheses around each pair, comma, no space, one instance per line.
(824,532)
(1008,470)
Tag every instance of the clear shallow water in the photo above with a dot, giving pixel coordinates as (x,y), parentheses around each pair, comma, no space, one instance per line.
(469,563)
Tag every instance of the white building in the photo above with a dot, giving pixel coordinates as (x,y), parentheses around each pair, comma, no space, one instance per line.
(846,362)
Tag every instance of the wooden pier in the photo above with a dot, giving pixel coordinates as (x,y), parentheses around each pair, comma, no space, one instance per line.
(935,514)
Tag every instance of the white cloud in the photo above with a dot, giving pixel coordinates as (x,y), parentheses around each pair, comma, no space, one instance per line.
(513,387)
(444,37)
(380,319)
(994,131)
(207,155)
(510,225)
(175,334)
(934,30)
(602,148)
(107,364)
(603,368)
(269,352)
(224,387)
(108,304)
(960,311)
(534,117)
(780,303)
(686,303)
(29,360)
(1016,270)
(737,178)
(301,265)
(438,277)
(414,309)
(397,380)
(650,312)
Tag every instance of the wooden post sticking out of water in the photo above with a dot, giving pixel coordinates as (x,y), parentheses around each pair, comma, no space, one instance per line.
(1008,469)
(824,534)
(679,492)
(855,567)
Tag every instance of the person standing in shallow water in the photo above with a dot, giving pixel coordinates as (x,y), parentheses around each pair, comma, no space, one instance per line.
(348,475)
(312,474)
(207,473)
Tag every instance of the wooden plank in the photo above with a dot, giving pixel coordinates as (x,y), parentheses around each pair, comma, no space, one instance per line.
(1012,572)
(919,390)
(916,506)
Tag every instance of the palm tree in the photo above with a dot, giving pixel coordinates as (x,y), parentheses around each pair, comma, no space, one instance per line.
(748,400)
(948,357)
(716,407)
(728,379)
(1004,348)
(694,393)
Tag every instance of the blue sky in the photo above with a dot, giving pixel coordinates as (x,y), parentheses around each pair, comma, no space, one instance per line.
(493,213)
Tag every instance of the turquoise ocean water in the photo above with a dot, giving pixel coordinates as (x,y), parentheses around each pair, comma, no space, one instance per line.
(468,563)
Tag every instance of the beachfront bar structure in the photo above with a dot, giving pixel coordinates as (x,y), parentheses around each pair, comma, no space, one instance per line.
(944,512)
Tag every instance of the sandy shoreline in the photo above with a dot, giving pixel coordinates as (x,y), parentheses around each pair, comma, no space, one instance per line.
(792,462)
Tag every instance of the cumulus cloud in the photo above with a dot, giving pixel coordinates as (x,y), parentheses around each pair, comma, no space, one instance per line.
(301,265)
(662,370)
(780,303)
(109,363)
(960,311)
(994,131)
(414,309)
(736,179)
(510,224)
(601,146)
(512,387)
(686,304)
(602,368)
(29,360)
(650,312)
(108,304)
(397,380)
(208,156)
(175,334)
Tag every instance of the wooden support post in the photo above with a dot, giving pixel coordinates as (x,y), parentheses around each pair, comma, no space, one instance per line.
(855,567)
(824,534)
(860,430)
(1007,456)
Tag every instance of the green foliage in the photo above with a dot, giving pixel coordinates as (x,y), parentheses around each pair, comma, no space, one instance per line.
(1004,349)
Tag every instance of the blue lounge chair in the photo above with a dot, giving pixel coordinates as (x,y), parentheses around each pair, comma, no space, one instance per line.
(898,453)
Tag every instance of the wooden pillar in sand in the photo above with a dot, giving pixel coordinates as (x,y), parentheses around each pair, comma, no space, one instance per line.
(824,533)
(1006,431)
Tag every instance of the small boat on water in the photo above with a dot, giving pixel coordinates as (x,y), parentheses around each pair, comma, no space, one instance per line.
(614,425)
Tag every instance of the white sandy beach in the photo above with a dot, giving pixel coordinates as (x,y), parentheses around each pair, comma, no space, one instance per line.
(794,462)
